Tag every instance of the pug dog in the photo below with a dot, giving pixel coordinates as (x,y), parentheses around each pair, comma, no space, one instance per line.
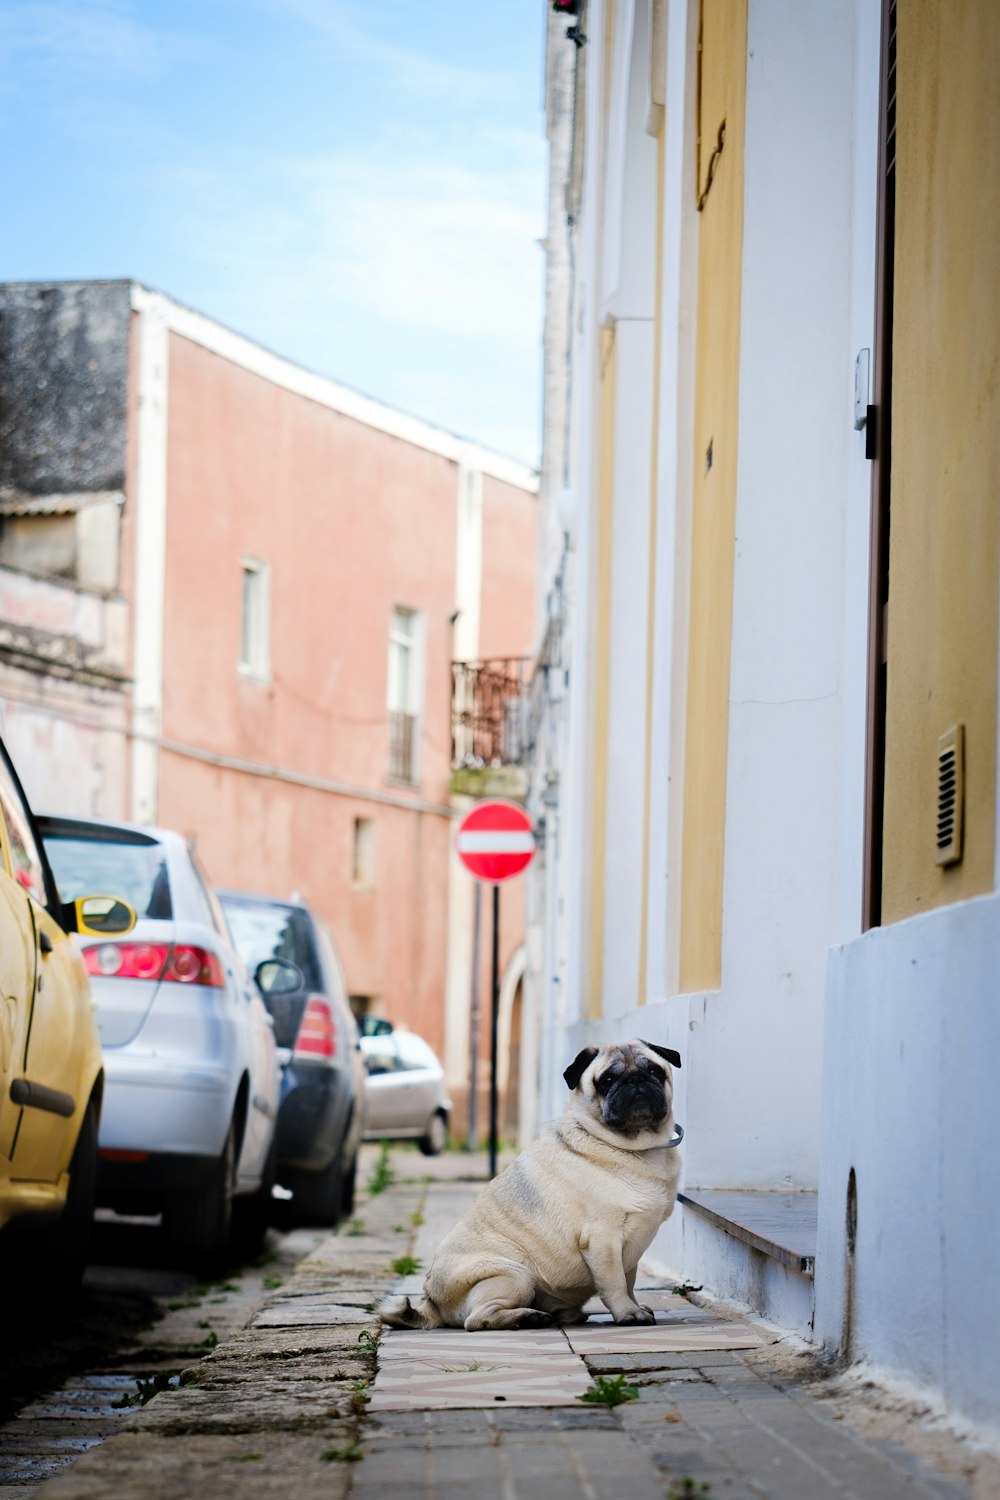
(573,1213)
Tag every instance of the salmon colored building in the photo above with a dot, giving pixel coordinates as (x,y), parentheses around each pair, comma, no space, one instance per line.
(298,566)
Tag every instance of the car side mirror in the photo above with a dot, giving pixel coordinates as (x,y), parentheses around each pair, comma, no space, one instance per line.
(278,976)
(98,916)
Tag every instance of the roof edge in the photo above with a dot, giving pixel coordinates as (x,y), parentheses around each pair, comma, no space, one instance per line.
(249,355)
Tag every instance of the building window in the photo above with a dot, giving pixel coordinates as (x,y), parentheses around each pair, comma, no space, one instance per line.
(363,860)
(255,636)
(405,693)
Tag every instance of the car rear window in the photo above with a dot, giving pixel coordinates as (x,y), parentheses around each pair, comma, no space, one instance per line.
(134,870)
(414,1051)
(265,929)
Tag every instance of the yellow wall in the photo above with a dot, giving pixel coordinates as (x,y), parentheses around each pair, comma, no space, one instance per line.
(723,85)
(602,655)
(943,548)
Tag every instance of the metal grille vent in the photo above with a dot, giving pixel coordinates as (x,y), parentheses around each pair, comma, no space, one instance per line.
(951,795)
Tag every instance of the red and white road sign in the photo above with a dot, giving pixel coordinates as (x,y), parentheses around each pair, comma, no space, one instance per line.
(495,841)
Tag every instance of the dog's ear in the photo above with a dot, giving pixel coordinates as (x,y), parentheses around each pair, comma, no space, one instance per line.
(667,1052)
(579,1066)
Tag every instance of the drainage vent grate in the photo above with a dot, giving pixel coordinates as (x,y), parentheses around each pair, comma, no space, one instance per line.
(951,792)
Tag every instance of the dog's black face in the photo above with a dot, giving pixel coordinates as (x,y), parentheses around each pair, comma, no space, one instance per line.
(632,1092)
(626,1087)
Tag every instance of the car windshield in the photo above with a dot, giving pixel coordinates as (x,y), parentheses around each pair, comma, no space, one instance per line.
(268,930)
(134,871)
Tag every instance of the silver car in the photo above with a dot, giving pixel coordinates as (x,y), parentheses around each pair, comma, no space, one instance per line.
(406,1093)
(191,1093)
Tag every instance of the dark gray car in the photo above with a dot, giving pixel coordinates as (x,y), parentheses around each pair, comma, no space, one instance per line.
(321,1110)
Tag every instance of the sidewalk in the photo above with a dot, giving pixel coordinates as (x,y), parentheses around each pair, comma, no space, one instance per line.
(313,1399)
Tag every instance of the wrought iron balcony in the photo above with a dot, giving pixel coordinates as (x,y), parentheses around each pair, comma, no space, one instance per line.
(489,721)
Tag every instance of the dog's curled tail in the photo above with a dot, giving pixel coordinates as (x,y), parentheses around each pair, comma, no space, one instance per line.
(399,1312)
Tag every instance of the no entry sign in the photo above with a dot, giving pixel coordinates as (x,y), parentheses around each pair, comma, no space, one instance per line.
(495,841)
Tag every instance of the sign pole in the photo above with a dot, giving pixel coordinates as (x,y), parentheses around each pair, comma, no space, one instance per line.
(495,841)
(474,1020)
(494,1022)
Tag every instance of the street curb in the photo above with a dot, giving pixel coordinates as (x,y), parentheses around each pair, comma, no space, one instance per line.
(281,1403)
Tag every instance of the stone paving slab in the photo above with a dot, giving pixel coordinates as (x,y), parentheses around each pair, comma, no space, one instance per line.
(449,1368)
(136,1467)
(666,1336)
(516,1455)
(316,1312)
(454,1345)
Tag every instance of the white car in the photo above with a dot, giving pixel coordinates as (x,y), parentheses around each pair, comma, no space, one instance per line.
(191,1092)
(406,1093)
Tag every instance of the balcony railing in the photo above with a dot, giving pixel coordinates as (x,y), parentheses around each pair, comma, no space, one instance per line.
(489,722)
(402,746)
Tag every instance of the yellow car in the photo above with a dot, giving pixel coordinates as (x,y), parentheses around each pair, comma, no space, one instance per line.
(51,1074)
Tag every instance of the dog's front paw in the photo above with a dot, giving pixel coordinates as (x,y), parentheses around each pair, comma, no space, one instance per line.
(638,1315)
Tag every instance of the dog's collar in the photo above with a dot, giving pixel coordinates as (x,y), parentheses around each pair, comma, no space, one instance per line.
(677,1138)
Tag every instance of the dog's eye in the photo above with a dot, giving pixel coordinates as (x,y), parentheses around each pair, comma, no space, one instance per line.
(652,1067)
(605,1081)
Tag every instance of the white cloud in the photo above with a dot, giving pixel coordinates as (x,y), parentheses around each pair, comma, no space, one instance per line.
(76,38)
(415,73)
(403,263)
(403,273)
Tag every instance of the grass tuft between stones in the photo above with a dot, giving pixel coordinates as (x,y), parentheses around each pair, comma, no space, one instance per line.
(349,1455)
(609,1390)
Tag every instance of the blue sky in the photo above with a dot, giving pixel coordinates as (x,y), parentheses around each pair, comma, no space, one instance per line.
(356,185)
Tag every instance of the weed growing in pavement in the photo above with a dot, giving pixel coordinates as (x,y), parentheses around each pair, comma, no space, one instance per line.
(355,1227)
(228,1286)
(399,1228)
(609,1390)
(466,1369)
(244,1458)
(382,1175)
(368,1339)
(687,1488)
(204,1323)
(148,1386)
(405,1265)
(416,1218)
(349,1455)
(684,1288)
(271,1283)
(210,1341)
(359,1397)
(180,1306)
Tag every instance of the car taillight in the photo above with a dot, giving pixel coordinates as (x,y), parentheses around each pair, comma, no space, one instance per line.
(195,966)
(182,964)
(317,1034)
(126,960)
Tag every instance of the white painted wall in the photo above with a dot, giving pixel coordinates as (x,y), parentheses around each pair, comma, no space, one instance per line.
(756,1120)
(626,730)
(911,1103)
